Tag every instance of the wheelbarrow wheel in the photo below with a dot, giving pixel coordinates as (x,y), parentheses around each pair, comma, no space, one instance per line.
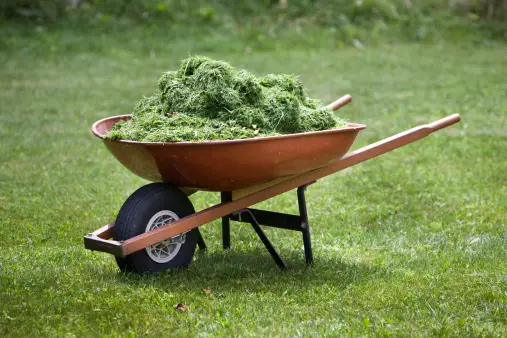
(148,208)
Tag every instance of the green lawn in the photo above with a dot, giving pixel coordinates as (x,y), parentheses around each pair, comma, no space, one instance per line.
(411,243)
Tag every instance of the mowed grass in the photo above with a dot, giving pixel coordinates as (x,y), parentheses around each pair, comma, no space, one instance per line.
(410,243)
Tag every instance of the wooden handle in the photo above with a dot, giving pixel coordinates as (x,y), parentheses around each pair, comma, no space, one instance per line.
(445,122)
(340,102)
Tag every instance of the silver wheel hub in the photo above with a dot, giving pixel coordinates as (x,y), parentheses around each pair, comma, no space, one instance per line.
(164,251)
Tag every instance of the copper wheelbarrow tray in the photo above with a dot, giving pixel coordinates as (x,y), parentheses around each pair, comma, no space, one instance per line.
(246,172)
(228,165)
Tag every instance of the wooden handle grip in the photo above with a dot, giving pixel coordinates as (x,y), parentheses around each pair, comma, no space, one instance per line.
(445,122)
(340,102)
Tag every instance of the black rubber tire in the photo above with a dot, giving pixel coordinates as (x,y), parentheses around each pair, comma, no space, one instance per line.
(134,216)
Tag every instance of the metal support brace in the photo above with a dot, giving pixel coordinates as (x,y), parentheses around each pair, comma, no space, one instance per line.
(277,220)
(271,249)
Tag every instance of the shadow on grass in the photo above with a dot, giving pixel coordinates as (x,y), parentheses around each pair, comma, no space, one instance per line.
(255,270)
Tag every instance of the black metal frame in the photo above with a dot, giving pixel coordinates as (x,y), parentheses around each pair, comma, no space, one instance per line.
(258,217)
(200,241)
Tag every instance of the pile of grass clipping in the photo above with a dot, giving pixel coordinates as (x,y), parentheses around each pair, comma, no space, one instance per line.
(210,100)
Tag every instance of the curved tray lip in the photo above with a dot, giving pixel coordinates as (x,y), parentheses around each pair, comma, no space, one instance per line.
(352,127)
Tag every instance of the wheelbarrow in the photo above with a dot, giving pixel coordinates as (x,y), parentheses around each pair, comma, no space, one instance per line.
(157,227)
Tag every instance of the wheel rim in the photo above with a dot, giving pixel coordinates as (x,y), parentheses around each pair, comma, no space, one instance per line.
(164,251)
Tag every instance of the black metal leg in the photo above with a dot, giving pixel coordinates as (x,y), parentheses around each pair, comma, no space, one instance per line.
(278,260)
(308,245)
(226,196)
(200,240)
(305,225)
(273,219)
(226,233)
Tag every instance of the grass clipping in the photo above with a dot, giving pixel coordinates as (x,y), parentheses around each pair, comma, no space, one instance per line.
(209,100)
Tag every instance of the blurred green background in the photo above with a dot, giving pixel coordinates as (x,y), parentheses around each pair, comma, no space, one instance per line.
(263,22)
